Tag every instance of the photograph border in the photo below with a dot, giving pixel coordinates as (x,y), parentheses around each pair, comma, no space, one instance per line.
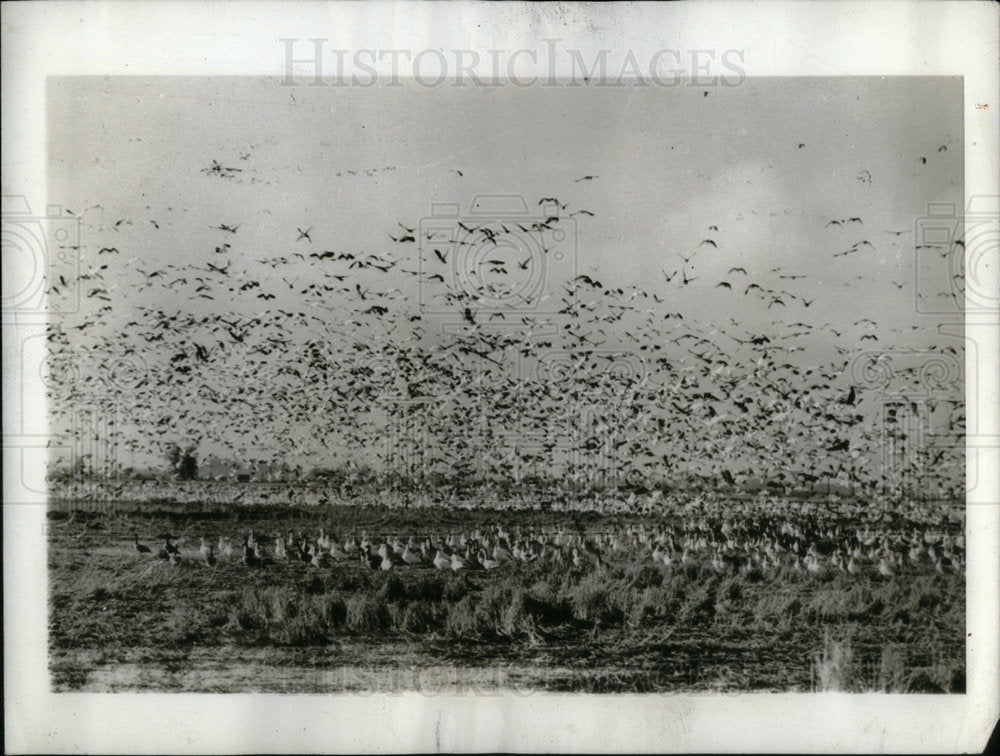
(776,39)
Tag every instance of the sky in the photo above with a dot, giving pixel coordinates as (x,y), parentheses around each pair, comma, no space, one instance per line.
(670,164)
(748,176)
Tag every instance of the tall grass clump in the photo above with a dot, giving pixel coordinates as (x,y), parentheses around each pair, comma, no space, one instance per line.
(366,613)
(833,664)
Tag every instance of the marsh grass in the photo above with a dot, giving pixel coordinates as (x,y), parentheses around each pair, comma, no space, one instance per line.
(687,624)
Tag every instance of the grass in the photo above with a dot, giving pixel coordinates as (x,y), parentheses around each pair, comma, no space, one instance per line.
(629,625)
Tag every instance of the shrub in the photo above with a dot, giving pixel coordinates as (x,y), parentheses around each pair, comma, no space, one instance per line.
(834,664)
(366,614)
(461,622)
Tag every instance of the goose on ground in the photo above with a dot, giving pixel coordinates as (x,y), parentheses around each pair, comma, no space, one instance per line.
(411,557)
(441,562)
(317,556)
(488,564)
(249,558)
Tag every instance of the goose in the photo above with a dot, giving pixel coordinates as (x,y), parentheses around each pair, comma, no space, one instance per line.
(441,562)
(169,547)
(140,548)
(884,569)
(249,558)
(717,564)
(279,549)
(337,553)
(317,556)
(305,552)
(411,557)
(372,560)
(471,562)
(852,565)
(457,563)
(226,549)
(812,563)
(837,560)
(488,564)
(204,549)
(426,550)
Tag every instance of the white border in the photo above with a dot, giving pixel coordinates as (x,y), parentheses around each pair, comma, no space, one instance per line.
(780,38)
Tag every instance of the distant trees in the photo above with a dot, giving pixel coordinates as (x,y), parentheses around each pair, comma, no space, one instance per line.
(183,461)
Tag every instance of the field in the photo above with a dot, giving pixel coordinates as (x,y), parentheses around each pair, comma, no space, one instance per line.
(593,611)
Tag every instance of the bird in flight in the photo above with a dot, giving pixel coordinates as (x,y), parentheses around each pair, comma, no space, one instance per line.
(543,200)
(230,229)
(585,178)
(304,234)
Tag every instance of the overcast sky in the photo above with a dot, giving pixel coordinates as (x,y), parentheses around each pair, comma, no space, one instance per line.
(669,163)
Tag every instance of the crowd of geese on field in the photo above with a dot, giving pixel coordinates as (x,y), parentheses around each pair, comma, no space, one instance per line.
(725,541)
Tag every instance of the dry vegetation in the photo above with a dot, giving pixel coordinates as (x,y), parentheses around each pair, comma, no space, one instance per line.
(122,620)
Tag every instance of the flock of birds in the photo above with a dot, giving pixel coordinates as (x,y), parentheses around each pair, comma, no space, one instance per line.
(725,541)
(313,353)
